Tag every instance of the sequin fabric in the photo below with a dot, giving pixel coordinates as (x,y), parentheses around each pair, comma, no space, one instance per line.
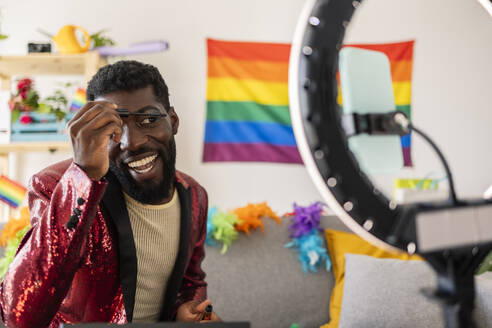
(63,275)
(193,286)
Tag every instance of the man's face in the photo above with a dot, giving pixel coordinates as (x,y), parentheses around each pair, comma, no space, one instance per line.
(144,159)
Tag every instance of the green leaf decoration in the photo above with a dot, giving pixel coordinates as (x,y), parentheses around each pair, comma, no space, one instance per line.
(3,36)
(486,264)
(10,251)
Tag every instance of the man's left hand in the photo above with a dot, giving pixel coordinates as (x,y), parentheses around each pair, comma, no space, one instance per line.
(193,311)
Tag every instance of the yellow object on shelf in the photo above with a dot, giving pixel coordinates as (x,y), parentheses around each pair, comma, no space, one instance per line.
(415,184)
(66,40)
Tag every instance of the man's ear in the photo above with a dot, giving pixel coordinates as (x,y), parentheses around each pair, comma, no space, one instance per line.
(174,119)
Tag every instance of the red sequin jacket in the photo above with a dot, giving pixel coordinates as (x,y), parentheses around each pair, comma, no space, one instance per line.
(89,273)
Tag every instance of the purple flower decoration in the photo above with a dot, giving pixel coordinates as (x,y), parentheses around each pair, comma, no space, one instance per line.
(306,219)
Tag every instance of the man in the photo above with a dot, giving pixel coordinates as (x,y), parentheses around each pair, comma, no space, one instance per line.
(117,234)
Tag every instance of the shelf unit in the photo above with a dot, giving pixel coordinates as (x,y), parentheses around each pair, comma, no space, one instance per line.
(85,64)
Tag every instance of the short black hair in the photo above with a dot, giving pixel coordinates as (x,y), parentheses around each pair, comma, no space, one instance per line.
(128,75)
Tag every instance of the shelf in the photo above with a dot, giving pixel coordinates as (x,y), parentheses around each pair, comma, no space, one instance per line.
(85,64)
(51,146)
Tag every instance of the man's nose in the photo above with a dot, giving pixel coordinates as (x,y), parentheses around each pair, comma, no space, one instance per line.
(131,138)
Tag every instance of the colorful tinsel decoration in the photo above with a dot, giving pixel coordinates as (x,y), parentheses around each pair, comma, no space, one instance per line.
(306,238)
(224,227)
(210,227)
(14,225)
(220,227)
(251,214)
(12,234)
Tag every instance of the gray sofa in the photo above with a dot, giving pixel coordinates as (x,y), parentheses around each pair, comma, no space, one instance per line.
(260,281)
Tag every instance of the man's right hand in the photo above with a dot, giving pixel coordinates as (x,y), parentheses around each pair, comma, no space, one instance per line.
(91,130)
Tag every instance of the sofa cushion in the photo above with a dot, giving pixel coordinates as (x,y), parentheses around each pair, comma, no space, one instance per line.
(388,293)
(339,244)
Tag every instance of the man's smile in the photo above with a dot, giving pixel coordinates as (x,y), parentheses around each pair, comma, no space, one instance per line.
(143,165)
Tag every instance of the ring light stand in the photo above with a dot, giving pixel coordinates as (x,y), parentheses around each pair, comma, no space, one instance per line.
(454,236)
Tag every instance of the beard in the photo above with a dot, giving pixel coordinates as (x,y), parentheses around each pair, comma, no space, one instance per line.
(150,192)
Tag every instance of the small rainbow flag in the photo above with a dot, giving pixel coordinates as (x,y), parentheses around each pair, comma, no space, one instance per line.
(11,192)
(400,55)
(78,100)
(247,103)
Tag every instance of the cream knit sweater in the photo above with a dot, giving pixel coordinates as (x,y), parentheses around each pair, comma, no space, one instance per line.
(156,234)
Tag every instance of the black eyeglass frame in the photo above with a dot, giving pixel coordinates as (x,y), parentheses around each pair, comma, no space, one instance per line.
(123,113)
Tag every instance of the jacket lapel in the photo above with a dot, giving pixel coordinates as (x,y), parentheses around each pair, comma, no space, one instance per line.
(115,204)
(174,283)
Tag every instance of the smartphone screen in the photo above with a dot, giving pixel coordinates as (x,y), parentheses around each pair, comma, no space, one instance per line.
(365,78)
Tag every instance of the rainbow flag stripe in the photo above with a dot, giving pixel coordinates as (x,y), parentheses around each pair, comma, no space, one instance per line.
(400,55)
(247,103)
(11,192)
(78,100)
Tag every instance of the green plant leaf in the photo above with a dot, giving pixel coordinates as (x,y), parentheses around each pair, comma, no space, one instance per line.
(15,115)
(32,98)
(3,36)
(57,102)
(99,40)
(44,108)
(60,115)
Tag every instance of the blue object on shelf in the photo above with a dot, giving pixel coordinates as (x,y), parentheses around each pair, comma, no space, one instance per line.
(44,127)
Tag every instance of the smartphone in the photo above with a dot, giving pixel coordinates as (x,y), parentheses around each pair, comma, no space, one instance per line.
(365,78)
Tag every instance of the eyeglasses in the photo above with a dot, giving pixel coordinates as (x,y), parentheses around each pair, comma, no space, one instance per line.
(126,113)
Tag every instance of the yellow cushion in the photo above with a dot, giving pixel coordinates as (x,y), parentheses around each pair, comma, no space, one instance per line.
(339,243)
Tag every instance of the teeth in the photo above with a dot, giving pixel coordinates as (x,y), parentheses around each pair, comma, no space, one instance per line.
(144,170)
(142,162)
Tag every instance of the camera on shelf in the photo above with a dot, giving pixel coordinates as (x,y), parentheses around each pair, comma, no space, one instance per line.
(33,47)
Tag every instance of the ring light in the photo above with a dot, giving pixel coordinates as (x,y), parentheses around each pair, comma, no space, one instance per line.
(454,236)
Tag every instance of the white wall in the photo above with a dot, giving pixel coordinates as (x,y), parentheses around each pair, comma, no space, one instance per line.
(452,75)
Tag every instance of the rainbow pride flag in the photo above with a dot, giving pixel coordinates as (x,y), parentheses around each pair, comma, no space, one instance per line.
(11,192)
(247,100)
(78,100)
(247,103)
(400,55)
